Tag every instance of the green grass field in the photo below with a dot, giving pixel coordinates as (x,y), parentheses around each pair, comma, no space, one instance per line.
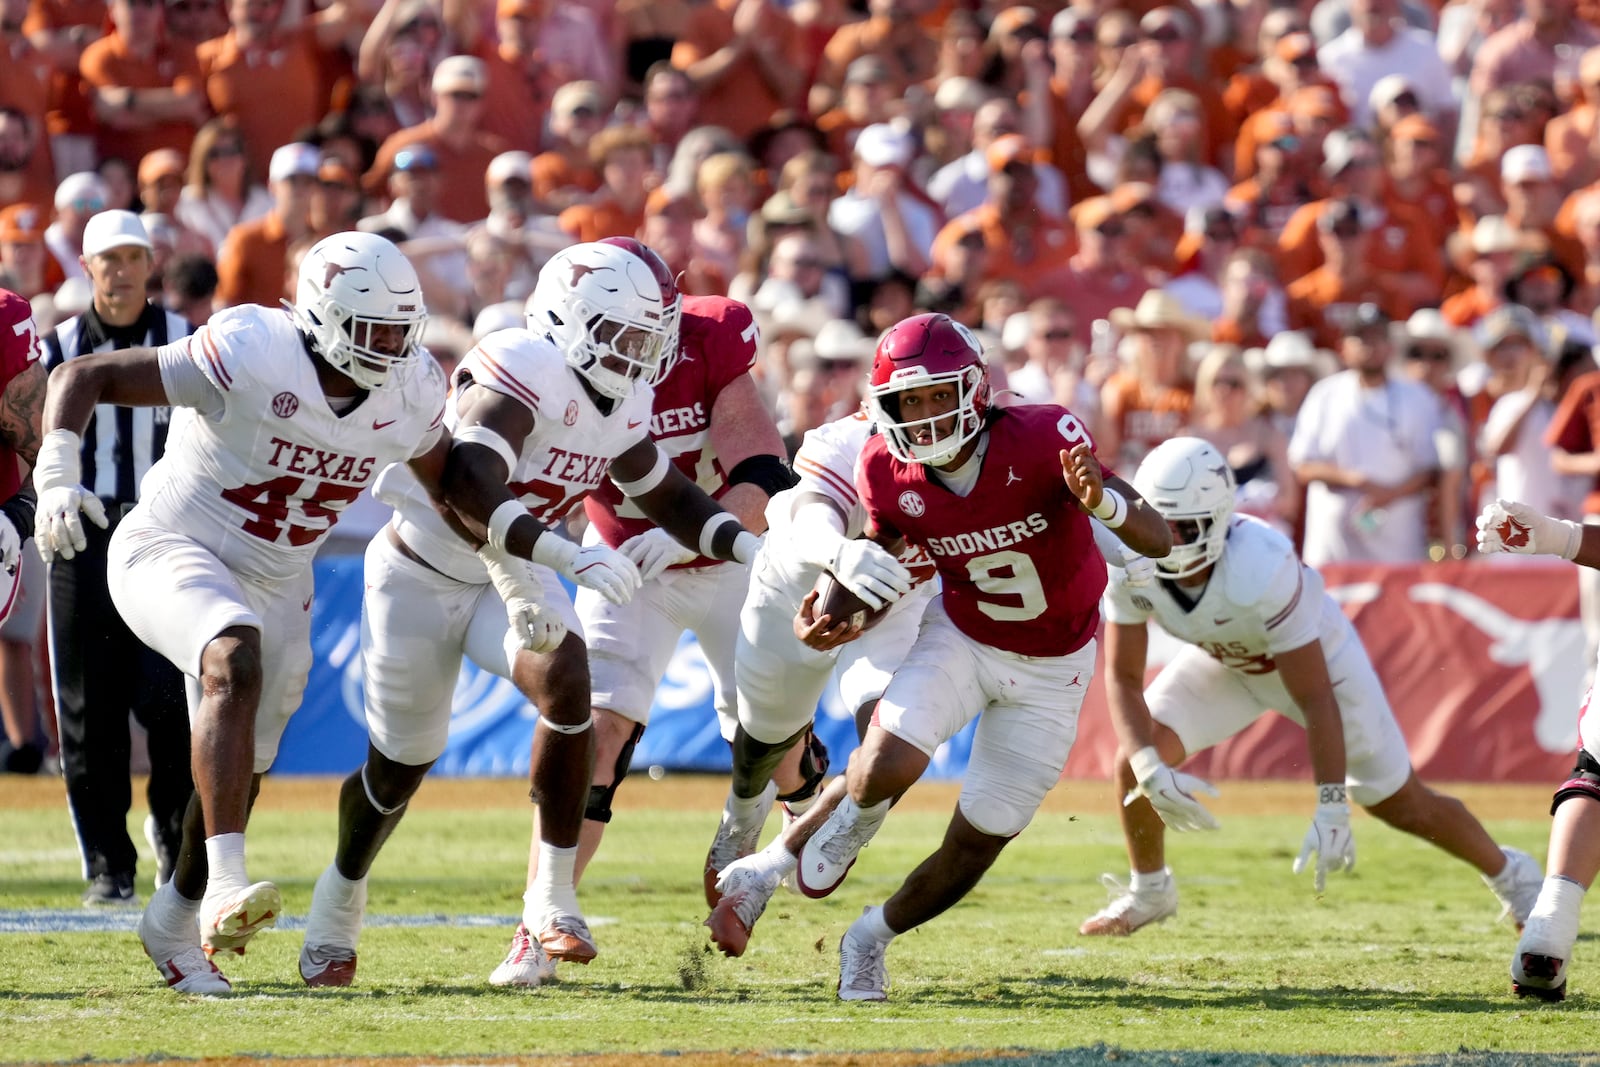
(1404,957)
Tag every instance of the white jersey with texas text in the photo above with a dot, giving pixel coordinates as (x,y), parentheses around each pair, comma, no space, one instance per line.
(261,473)
(1260,601)
(563,459)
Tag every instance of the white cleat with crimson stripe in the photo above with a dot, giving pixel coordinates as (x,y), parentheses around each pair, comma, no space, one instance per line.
(183,964)
(228,923)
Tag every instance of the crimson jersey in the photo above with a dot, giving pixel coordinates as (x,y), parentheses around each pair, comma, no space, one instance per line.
(717,344)
(19,346)
(1016,555)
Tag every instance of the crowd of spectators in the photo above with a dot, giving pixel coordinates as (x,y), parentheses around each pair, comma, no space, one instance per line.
(1170,217)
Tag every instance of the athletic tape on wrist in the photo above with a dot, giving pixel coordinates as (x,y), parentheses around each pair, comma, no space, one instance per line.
(708,532)
(59,462)
(1113,508)
(500,522)
(1144,763)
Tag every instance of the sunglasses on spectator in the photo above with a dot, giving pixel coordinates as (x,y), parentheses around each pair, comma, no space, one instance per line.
(1164,34)
(1308,60)
(464,94)
(583,111)
(1111,230)
(1083,33)
(1428,353)
(1288,143)
(1229,383)
(225,151)
(1120,42)
(144,3)
(1060,334)
(1221,233)
(808,263)
(1504,115)
(1407,99)
(1347,231)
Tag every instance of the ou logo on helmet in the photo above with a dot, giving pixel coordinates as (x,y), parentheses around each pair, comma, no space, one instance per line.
(911,503)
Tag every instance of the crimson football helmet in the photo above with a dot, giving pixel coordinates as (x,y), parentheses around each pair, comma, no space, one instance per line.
(612,307)
(1191,486)
(925,350)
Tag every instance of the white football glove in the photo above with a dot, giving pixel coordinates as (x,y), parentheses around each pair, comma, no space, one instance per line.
(57,522)
(605,570)
(536,628)
(1330,838)
(1140,570)
(654,551)
(867,570)
(1170,792)
(1512,526)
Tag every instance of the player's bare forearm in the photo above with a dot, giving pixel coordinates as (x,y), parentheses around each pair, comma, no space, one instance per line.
(682,509)
(748,503)
(1304,671)
(1589,548)
(1127,651)
(129,378)
(1144,530)
(22,412)
(742,429)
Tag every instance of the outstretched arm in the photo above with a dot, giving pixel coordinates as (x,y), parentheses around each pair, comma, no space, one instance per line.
(1115,503)
(674,503)
(1512,526)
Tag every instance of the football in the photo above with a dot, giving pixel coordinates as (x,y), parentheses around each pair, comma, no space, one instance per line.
(837,601)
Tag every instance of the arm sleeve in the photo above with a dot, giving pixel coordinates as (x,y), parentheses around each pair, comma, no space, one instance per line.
(826,469)
(186,384)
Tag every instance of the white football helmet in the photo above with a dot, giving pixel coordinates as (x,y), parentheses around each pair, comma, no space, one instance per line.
(612,308)
(1188,482)
(353,285)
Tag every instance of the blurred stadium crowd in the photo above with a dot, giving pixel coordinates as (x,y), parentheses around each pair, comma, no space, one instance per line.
(1171,218)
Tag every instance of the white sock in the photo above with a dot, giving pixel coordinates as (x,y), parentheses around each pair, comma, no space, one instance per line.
(1552,927)
(225,856)
(742,811)
(338,889)
(872,924)
(552,888)
(874,815)
(1143,881)
(798,808)
(174,914)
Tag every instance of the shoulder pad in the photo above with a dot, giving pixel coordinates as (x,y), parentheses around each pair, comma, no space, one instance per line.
(1255,556)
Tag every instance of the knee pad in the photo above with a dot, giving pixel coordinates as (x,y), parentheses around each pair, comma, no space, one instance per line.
(599,807)
(813,765)
(1585,782)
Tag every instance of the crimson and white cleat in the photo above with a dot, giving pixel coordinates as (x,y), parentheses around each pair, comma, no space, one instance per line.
(525,965)
(566,938)
(863,971)
(327,966)
(832,850)
(745,892)
(229,924)
(1128,911)
(734,841)
(338,905)
(184,966)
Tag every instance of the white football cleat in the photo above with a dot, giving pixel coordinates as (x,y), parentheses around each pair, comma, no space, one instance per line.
(832,850)
(745,890)
(863,972)
(525,964)
(1526,879)
(328,957)
(183,964)
(228,923)
(1128,911)
(1539,964)
(735,841)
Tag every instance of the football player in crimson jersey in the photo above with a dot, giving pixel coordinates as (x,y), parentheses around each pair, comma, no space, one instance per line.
(1261,633)
(1539,964)
(1000,499)
(22,389)
(709,418)
(548,413)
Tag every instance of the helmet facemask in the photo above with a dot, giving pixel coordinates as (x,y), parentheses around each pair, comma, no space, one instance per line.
(1189,484)
(359,301)
(364,348)
(902,436)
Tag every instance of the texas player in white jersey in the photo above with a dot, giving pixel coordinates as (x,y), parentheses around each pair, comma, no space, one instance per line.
(546,415)
(1539,964)
(1261,634)
(289,414)
(783,664)
(1000,499)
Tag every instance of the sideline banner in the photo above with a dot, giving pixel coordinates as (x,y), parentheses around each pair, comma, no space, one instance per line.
(1483,664)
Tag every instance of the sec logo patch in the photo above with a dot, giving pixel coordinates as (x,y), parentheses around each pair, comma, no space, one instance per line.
(911,503)
(285,405)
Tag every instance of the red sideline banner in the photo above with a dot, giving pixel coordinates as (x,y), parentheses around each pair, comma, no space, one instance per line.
(1483,664)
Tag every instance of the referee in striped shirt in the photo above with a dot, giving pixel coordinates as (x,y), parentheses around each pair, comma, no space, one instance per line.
(101,670)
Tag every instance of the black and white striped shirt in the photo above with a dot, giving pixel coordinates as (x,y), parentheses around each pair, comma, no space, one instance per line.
(120,443)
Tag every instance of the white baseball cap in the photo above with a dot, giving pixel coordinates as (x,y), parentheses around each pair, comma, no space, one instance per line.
(508,166)
(883,145)
(1525,162)
(460,74)
(292,160)
(114,229)
(85,186)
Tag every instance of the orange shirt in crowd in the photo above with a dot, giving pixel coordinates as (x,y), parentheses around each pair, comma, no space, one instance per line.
(69,110)
(853,40)
(1220,128)
(1055,244)
(1144,414)
(107,62)
(1465,308)
(272,91)
(1405,243)
(1067,152)
(25,75)
(514,104)
(553,172)
(741,101)
(606,218)
(1320,303)
(462,195)
(252,265)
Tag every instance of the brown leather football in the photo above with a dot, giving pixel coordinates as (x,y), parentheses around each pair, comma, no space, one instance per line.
(837,601)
